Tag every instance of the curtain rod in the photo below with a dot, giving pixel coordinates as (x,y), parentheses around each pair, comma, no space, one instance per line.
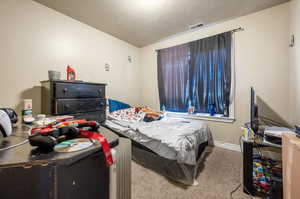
(237,29)
(233,31)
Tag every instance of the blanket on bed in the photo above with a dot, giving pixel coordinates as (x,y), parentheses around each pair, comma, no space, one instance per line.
(173,138)
(137,114)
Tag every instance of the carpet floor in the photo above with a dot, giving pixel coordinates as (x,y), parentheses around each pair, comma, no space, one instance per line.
(221,174)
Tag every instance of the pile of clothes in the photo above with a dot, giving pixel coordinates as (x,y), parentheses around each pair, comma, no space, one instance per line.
(149,114)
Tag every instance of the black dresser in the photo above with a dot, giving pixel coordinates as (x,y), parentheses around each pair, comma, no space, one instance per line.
(27,172)
(80,99)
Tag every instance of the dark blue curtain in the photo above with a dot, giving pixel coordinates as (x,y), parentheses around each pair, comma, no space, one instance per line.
(210,69)
(173,78)
(197,74)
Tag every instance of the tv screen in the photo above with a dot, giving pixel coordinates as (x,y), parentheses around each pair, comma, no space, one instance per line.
(253,112)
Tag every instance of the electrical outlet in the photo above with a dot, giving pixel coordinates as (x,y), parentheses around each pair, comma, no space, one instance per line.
(107,67)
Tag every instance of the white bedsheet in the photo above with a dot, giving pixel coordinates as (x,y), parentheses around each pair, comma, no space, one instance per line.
(173,138)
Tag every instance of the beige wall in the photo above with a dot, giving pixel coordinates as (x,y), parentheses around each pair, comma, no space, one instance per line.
(262,61)
(35,39)
(295,61)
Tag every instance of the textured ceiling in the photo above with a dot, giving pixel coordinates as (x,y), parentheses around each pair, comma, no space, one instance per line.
(143,22)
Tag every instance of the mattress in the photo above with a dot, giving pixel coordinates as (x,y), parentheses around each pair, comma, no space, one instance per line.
(172,138)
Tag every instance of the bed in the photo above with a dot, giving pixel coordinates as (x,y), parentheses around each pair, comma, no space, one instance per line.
(172,147)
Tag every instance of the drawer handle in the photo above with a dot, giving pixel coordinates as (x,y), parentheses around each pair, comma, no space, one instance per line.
(99,91)
(67,106)
(65,90)
(102,103)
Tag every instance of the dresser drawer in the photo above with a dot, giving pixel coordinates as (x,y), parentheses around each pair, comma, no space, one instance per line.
(69,106)
(78,90)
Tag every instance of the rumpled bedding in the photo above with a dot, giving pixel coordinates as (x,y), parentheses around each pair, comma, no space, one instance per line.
(128,115)
(172,138)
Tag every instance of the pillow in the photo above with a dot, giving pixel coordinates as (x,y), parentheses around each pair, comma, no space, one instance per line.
(115,105)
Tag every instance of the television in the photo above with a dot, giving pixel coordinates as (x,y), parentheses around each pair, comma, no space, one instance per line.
(262,115)
(254,121)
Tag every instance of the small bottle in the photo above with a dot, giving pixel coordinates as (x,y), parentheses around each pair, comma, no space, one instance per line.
(212,110)
(163,108)
(191,108)
(71,76)
(27,116)
(226,111)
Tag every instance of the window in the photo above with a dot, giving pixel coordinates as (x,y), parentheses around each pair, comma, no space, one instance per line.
(197,76)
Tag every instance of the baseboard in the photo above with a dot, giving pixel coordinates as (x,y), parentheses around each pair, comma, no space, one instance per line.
(229,146)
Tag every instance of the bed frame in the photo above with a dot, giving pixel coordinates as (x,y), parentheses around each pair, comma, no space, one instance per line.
(171,169)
